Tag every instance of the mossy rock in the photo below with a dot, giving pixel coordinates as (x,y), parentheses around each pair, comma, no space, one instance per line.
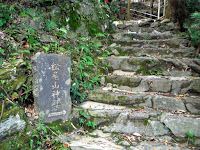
(13,120)
(14,75)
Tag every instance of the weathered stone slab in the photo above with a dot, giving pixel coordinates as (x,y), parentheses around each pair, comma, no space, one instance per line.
(168,103)
(115,98)
(124,125)
(179,125)
(161,85)
(143,65)
(51,86)
(13,124)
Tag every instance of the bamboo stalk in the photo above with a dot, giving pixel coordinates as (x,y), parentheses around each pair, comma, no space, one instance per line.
(164,11)
(158,9)
(128,11)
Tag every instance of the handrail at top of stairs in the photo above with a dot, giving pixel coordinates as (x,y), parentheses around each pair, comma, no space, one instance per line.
(142,12)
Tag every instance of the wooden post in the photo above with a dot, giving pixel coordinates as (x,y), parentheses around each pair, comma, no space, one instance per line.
(128,10)
(164,11)
(151,7)
(158,9)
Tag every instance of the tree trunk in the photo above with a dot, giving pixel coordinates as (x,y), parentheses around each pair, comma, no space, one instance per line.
(128,10)
(151,7)
(158,9)
(164,10)
(176,12)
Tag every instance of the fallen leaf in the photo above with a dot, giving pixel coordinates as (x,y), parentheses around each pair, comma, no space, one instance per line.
(66,145)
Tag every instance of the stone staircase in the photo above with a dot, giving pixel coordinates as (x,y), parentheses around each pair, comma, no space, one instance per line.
(151,96)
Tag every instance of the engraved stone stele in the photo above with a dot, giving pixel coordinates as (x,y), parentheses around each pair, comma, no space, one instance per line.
(51,86)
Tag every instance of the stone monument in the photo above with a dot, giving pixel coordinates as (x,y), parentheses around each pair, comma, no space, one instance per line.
(51,86)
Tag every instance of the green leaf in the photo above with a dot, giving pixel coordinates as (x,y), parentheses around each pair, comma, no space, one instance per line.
(100,35)
(2,21)
(46,48)
(31,144)
(96,46)
(39,143)
(35,135)
(20,134)
(81,121)
(1,51)
(83,114)
(86,75)
(25,51)
(94,125)
(89,123)
(15,54)
(31,39)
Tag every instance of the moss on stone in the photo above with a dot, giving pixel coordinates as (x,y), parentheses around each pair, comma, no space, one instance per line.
(61,126)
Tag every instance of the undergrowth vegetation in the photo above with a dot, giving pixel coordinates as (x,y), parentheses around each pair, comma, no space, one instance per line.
(49,26)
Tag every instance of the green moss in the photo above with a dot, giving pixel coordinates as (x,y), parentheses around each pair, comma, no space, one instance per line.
(147,65)
(15,110)
(60,126)
(93,28)
(74,17)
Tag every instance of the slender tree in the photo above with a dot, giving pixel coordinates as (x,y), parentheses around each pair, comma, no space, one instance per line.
(159,9)
(151,6)
(128,10)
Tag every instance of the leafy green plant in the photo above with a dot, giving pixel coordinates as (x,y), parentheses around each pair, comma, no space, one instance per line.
(4,14)
(146,38)
(83,76)
(40,138)
(190,136)
(83,120)
(156,72)
(193,26)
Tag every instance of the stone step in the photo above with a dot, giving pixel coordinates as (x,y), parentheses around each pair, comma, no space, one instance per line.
(144,25)
(98,140)
(142,35)
(158,66)
(147,122)
(146,99)
(186,52)
(162,43)
(162,84)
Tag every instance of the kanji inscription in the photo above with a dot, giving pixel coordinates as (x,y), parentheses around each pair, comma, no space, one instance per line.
(51,86)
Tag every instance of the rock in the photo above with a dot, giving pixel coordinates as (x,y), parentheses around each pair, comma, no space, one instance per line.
(102,110)
(14,75)
(124,125)
(101,142)
(180,87)
(56,14)
(117,36)
(161,85)
(143,65)
(115,98)
(48,38)
(13,121)
(165,21)
(125,81)
(36,23)
(196,85)
(123,26)
(193,104)
(155,24)
(115,51)
(156,145)
(168,103)
(51,88)
(179,125)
